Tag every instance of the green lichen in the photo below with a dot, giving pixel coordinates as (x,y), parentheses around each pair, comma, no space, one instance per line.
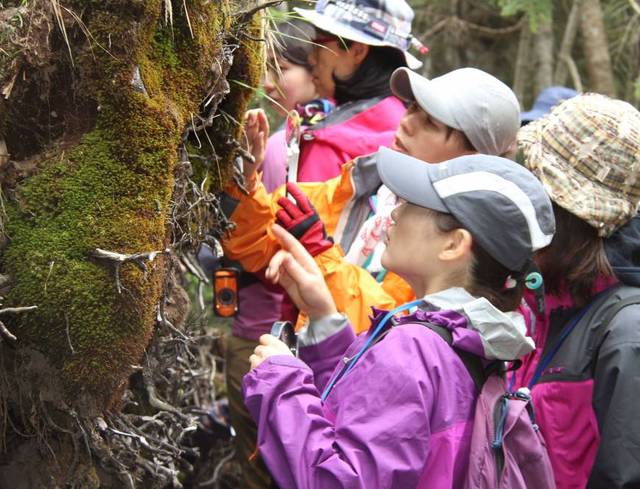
(245,75)
(112,190)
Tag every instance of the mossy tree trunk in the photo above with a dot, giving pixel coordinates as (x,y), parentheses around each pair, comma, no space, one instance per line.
(109,111)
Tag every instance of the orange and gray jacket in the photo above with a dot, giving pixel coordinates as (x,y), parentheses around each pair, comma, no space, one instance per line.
(343,205)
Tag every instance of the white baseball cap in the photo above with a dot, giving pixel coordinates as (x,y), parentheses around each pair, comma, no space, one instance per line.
(469,100)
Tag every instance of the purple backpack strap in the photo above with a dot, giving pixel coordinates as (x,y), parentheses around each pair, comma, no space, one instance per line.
(477,370)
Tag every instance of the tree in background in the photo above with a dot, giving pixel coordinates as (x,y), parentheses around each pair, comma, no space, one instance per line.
(587,44)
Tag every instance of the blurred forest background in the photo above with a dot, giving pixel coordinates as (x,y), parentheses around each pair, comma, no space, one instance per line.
(590,45)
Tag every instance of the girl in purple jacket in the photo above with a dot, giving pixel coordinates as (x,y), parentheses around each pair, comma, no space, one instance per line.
(393,408)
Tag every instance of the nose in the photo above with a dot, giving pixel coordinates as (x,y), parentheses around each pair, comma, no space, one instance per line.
(272,73)
(269,84)
(394,215)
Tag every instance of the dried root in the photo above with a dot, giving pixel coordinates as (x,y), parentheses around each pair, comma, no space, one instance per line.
(4,331)
(118,259)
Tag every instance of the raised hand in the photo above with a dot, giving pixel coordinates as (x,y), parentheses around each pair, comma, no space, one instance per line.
(303,221)
(296,271)
(256,129)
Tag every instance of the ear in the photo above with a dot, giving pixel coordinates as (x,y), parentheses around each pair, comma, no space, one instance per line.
(359,52)
(457,246)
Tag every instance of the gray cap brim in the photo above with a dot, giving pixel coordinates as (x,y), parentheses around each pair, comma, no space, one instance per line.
(408,178)
(347,32)
(411,87)
(492,197)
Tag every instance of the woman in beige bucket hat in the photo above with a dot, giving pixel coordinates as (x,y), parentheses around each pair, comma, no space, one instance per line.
(585,371)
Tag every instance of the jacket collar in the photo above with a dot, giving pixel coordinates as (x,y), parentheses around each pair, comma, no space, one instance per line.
(475,324)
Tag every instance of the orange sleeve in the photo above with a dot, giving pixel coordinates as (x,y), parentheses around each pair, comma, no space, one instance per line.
(330,198)
(251,242)
(397,288)
(354,290)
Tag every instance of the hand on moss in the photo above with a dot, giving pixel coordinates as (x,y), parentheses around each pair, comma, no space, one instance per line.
(256,128)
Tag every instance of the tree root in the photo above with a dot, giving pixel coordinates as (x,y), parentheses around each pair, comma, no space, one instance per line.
(216,473)
(4,331)
(118,259)
(244,16)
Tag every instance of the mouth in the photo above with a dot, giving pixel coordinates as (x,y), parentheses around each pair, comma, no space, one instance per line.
(398,146)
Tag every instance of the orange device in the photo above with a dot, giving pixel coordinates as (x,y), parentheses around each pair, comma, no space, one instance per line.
(225,292)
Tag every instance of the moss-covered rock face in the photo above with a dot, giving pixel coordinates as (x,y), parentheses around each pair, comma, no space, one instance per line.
(139,83)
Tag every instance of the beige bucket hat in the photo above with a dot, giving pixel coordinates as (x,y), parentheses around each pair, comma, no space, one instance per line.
(586,153)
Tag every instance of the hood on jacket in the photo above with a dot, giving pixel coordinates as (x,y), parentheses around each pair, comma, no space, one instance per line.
(623,252)
(476,325)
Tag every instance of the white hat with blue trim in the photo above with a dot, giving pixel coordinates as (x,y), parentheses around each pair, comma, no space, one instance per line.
(371,22)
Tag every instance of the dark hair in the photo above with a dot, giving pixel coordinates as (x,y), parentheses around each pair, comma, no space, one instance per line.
(489,275)
(575,258)
(293,41)
(468,145)
(371,79)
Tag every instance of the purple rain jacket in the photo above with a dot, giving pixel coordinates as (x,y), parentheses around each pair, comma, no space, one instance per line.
(402,418)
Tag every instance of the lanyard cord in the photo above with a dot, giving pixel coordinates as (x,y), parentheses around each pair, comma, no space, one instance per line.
(349,366)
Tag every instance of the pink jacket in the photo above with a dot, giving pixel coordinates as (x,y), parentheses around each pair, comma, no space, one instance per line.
(585,400)
(351,130)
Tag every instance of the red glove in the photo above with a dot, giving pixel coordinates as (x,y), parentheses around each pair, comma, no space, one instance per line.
(303,221)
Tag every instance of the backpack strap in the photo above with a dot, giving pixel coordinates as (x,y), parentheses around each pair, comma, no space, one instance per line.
(472,362)
(549,352)
(629,301)
(602,330)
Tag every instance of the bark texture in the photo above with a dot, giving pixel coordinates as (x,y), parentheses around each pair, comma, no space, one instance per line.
(596,48)
(119,119)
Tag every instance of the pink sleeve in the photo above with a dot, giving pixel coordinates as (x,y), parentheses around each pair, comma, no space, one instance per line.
(274,167)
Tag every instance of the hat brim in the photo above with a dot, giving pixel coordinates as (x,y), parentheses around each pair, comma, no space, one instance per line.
(531,115)
(344,31)
(411,87)
(408,178)
(575,192)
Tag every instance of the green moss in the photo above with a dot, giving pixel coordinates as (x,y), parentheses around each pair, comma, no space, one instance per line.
(85,201)
(245,74)
(113,189)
